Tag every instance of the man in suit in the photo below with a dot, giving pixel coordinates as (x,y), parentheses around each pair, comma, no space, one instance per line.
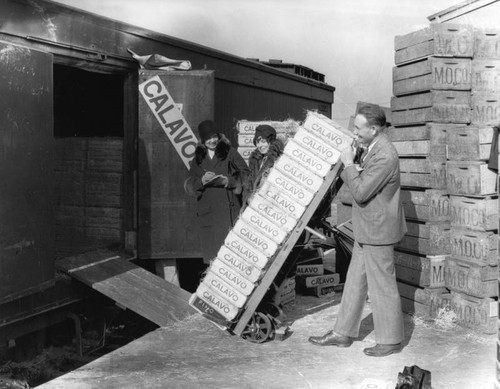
(378,223)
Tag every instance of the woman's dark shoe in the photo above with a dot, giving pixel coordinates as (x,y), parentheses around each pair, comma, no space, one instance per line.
(383,350)
(331,339)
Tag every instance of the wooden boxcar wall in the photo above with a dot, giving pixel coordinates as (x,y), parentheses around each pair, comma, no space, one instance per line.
(243,89)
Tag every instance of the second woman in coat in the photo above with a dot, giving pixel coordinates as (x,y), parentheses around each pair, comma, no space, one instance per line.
(268,149)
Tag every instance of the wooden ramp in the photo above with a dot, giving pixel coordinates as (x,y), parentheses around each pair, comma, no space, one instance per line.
(110,273)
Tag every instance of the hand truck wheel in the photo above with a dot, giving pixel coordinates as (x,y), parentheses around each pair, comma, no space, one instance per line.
(258,329)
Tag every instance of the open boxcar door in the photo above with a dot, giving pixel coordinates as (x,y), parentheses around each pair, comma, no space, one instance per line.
(166,215)
(26,171)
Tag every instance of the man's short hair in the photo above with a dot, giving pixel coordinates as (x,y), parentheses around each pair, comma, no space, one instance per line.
(375,116)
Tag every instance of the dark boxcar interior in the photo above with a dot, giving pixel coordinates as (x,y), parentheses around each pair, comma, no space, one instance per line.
(88,130)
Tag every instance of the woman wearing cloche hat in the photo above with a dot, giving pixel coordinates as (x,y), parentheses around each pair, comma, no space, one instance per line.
(262,159)
(216,176)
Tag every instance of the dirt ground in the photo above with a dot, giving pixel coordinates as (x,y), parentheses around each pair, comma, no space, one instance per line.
(196,354)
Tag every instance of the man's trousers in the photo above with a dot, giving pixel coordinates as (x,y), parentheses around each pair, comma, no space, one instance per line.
(372,269)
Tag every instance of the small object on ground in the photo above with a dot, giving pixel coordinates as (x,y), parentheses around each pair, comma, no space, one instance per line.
(413,377)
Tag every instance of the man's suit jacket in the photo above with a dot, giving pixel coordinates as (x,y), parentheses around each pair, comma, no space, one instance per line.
(377,214)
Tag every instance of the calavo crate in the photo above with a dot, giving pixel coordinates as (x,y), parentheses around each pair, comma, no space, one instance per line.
(281,127)
(430,205)
(471,143)
(420,270)
(430,74)
(470,178)
(477,246)
(486,43)
(248,270)
(430,238)
(422,173)
(212,302)
(299,173)
(426,140)
(245,250)
(439,39)
(306,158)
(474,213)
(264,225)
(282,201)
(471,312)
(433,106)
(485,109)
(245,151)
(472,278)
(317,146)
(486,76)
(255,238)
(328,131)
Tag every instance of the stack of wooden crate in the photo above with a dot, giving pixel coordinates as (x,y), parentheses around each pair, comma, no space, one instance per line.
(432,95)
(246,131)
(88,194)
(471,271)
(445,102)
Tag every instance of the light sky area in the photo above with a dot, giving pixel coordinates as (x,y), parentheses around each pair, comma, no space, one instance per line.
(351,42)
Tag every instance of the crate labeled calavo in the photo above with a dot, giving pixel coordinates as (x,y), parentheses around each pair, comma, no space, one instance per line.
(272,214)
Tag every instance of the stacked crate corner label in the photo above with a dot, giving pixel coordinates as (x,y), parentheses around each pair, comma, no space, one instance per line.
(273,212)
(474,213)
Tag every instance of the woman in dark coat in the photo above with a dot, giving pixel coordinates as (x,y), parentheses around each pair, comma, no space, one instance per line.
(262,159)
(216,175)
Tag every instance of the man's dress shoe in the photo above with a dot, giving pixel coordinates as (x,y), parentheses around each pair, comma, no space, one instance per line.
(331,339)
(382,350)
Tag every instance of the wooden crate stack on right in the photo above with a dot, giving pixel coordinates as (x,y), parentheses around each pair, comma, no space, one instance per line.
(431,87)
(471,271)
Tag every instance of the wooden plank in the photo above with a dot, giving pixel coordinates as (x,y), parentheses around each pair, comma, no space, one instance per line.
(398,134)
(469,143)
(474,213)
(423,173)
(77,261)
(439,113)
(412,148)
(430,99)
(129,285)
